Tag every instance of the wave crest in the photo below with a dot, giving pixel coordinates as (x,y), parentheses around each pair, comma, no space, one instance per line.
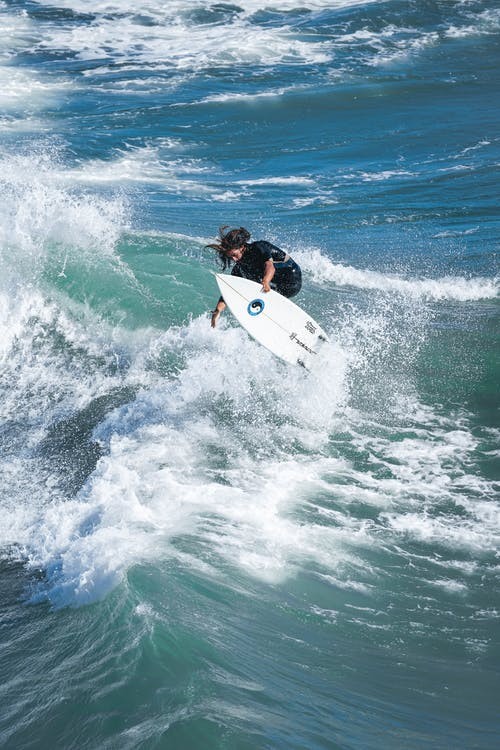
(458,288)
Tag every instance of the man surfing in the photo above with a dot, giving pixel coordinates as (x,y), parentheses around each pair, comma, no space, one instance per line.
(258,261)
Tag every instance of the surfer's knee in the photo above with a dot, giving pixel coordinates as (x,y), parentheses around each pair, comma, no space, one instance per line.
(292,284)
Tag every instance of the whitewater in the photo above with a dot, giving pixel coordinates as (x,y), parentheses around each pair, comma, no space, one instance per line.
(202,546)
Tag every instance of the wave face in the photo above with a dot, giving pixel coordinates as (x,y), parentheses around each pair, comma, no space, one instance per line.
(206,547)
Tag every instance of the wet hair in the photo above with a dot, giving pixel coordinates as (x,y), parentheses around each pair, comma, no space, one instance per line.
(229,239)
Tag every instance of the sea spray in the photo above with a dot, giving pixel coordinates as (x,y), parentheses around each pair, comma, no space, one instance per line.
(323,270)
(201,546)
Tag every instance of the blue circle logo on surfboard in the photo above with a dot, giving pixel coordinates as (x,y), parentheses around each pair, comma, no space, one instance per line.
(255,307)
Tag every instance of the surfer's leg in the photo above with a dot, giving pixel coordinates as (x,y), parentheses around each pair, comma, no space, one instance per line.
(288,280)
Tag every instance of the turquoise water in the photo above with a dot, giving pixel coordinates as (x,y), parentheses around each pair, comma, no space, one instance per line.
(202,547)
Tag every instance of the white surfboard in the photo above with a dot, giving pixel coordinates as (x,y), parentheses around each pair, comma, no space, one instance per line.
(273,320)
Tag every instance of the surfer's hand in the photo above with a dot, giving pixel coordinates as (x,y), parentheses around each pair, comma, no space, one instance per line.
(215,318)
(265,286)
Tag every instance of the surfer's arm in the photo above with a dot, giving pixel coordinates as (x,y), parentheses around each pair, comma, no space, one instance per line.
(269,271)
(219,307)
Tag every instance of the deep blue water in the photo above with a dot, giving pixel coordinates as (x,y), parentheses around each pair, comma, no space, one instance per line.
(201,546)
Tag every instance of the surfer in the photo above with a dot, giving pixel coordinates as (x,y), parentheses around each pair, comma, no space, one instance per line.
(259,261)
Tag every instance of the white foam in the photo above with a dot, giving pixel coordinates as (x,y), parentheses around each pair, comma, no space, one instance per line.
(57,355)
(38,211)
(483,24)
(178,175)
(227,196)
(445,531)
(23,91)
(13,124)
(177,7)
(234,455)
(389,45)
(162,478)
(476,147)
(18,31)
(245,97)
(324,271)
(456,232)
(387,174)
(149,164)
(394,43)
(166,43)
(47,181)
(44,225)
(155,483)
(238,487)
(322,198)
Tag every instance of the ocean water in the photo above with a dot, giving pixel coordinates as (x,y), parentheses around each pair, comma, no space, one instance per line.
(202,547)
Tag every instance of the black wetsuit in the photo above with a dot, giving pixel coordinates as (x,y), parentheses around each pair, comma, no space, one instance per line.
(287,279)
